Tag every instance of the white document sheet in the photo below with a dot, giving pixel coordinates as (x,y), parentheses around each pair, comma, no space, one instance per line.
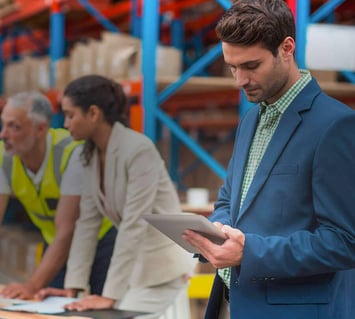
(49,305)
(5,302)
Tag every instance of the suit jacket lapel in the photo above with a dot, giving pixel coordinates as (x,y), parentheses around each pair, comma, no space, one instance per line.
(247,128)
(95,180)
(289,122)
(278,142)
(110,165)
(109,173)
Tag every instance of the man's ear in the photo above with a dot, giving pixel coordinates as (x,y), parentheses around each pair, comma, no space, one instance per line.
(288,47)
(42,129)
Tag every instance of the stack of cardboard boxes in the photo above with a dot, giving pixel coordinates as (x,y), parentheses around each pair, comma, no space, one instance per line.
(115,55)
(7,7)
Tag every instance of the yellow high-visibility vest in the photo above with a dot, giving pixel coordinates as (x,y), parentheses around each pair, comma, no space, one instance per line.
(41,205)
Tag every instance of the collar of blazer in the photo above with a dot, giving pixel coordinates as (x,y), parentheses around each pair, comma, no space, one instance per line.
(115,137)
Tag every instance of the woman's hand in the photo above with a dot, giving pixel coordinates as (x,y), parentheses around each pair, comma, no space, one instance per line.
(46,292)
(91,302)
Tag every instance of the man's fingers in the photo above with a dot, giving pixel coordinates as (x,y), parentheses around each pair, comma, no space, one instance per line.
(10,293)
(232,232)
(218,224)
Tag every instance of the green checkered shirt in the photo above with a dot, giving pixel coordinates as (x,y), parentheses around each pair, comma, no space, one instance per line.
(269,118)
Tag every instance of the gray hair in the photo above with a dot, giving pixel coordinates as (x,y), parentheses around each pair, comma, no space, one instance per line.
(38,106)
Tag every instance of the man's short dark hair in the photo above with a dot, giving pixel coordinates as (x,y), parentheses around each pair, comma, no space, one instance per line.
(250,22)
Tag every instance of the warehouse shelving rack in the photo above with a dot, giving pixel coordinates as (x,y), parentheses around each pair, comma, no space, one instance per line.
(304,18)
(144,19)
(153,113)
(57,36)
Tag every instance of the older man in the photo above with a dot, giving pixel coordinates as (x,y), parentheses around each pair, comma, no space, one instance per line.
(40,167)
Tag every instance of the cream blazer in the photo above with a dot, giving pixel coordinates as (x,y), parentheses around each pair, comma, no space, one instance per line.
(136,182)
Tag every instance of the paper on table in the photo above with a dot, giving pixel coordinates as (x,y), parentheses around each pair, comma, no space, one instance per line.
(48,305)
(5,302)
(4,314)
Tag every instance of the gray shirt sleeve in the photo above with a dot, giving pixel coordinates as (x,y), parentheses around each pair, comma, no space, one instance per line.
(4,185)
(71,183)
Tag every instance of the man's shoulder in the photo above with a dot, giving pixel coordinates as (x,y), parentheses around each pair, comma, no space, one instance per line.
(61,138)
(58,132)
(331,104)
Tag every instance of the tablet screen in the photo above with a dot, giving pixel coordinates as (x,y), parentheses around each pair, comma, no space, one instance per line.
(173,225)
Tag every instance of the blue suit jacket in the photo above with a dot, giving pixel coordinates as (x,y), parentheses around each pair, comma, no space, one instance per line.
(298,216)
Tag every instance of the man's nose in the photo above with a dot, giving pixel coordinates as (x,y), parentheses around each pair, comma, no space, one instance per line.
(241,78)
(3,133)
(65,124)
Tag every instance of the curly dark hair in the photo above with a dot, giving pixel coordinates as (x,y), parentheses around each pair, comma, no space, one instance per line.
(250,22)
(106,94)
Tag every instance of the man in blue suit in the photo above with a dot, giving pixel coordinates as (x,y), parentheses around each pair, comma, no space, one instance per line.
(287,205)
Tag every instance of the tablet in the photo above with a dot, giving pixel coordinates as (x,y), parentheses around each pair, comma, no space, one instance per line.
(173,225)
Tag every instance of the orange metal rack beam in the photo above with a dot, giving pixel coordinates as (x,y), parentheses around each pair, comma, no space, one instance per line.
(24,11)
(27,9)
(177,5)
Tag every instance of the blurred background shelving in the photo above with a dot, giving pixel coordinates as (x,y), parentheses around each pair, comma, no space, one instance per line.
(168,58)
(169,61)
(187,96)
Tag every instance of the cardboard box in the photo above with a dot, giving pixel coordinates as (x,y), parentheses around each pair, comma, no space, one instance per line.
(325,75)
(76,54)
(88,57)
(330,46)
(62,73)
(38,73)
(124,63)
(119,39)
(119,56)
(169,61)
(13,83)
(20,251)
(7,7)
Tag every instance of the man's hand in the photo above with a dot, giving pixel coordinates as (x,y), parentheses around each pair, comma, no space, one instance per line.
(91,302)
(18,291)
(229,254)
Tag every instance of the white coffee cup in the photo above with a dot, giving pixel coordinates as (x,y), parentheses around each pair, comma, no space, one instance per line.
(197,196)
